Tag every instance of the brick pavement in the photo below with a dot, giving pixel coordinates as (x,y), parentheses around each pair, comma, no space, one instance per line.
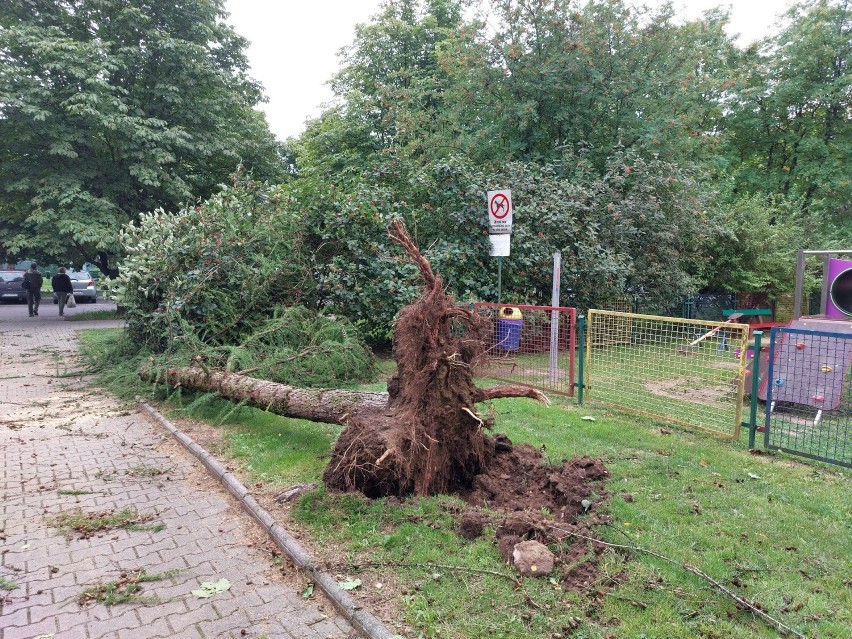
(57,434)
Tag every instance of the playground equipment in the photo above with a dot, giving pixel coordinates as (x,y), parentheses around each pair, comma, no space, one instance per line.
(835,299)
(808,368)
(685,349)
(836,294)
(839,301)
(806,371)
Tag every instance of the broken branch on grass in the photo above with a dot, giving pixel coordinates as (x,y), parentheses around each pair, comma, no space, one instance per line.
(430,566)
(743,602)
(496,392)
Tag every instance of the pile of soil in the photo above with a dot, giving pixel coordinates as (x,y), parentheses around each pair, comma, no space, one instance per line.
(526,499)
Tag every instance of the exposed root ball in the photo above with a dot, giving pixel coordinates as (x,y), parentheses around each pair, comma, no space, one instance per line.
(429,439)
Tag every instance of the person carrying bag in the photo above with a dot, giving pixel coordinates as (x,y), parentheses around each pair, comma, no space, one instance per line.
(64,290)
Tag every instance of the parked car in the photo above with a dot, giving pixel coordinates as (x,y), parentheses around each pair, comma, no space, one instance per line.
(84,287)
(12,286)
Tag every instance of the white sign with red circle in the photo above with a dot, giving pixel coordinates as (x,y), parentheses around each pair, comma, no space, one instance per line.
(500,212)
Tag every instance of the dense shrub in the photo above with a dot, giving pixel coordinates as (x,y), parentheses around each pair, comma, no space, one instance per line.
(638,228)
(228,282)
(216,270)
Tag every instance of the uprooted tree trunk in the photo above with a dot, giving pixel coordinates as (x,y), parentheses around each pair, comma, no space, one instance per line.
(316,404)
(429,438)
(424,436)
(330,406)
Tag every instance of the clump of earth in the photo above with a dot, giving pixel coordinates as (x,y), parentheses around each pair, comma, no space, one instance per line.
(524,499)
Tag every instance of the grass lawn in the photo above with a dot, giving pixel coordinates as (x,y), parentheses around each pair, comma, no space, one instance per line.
(774,529)
(86,316)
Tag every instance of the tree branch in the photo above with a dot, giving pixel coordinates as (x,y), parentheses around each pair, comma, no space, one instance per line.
(496,392)
(743,602)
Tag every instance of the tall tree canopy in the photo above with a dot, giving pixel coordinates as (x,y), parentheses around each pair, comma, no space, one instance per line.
(790,125)
(543,76)
(109,108)
(653,152)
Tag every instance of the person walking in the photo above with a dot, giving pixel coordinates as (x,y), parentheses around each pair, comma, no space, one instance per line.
(32,282)
(63,287)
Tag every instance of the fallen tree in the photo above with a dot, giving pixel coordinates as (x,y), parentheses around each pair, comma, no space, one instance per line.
(330,406)
(424,435)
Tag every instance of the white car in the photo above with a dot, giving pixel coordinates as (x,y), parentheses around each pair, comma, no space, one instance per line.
(84,287)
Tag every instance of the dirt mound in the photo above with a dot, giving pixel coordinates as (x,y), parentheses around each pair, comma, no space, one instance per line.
(527,499)
(517,479)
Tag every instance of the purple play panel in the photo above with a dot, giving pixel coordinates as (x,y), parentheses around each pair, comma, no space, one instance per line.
(839,302)
(809,368)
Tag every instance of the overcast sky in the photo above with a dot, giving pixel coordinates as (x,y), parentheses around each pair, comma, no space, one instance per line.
(294,45)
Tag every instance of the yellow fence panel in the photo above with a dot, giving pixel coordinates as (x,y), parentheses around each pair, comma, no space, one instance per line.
(688,372)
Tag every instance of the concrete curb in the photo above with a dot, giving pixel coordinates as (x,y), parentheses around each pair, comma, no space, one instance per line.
(360,619)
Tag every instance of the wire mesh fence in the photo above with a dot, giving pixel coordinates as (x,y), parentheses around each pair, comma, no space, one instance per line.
(708,306)
(688,372)
(809,394)
(530,345)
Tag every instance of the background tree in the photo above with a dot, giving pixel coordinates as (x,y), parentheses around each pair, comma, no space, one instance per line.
(604,122)
(111,108)
(790,132)
(535,78)
(753,246)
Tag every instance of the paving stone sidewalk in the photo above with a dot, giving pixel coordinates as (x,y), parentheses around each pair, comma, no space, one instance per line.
(59,436)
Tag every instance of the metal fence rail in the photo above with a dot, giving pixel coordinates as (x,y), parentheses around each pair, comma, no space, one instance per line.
(688,372)
(809,394)
(535,349)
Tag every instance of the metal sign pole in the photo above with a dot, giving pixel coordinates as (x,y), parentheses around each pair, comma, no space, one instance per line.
(553,369)
(499,277)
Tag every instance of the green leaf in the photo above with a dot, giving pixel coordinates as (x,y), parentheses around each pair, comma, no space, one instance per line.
(349,584)
(210,588)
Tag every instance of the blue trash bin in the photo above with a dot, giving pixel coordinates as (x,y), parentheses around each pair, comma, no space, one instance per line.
(509,322)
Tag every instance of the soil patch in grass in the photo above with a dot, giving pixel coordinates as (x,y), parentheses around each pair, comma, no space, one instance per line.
(525,500)
(693,389)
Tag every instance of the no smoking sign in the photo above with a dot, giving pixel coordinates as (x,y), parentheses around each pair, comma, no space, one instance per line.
(499,212)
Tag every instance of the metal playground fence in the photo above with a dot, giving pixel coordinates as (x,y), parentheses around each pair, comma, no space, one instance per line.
(688,372)
(531,345)
(808,393)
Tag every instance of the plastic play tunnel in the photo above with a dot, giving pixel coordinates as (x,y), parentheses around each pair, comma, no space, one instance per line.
(839,302)
(509,322)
